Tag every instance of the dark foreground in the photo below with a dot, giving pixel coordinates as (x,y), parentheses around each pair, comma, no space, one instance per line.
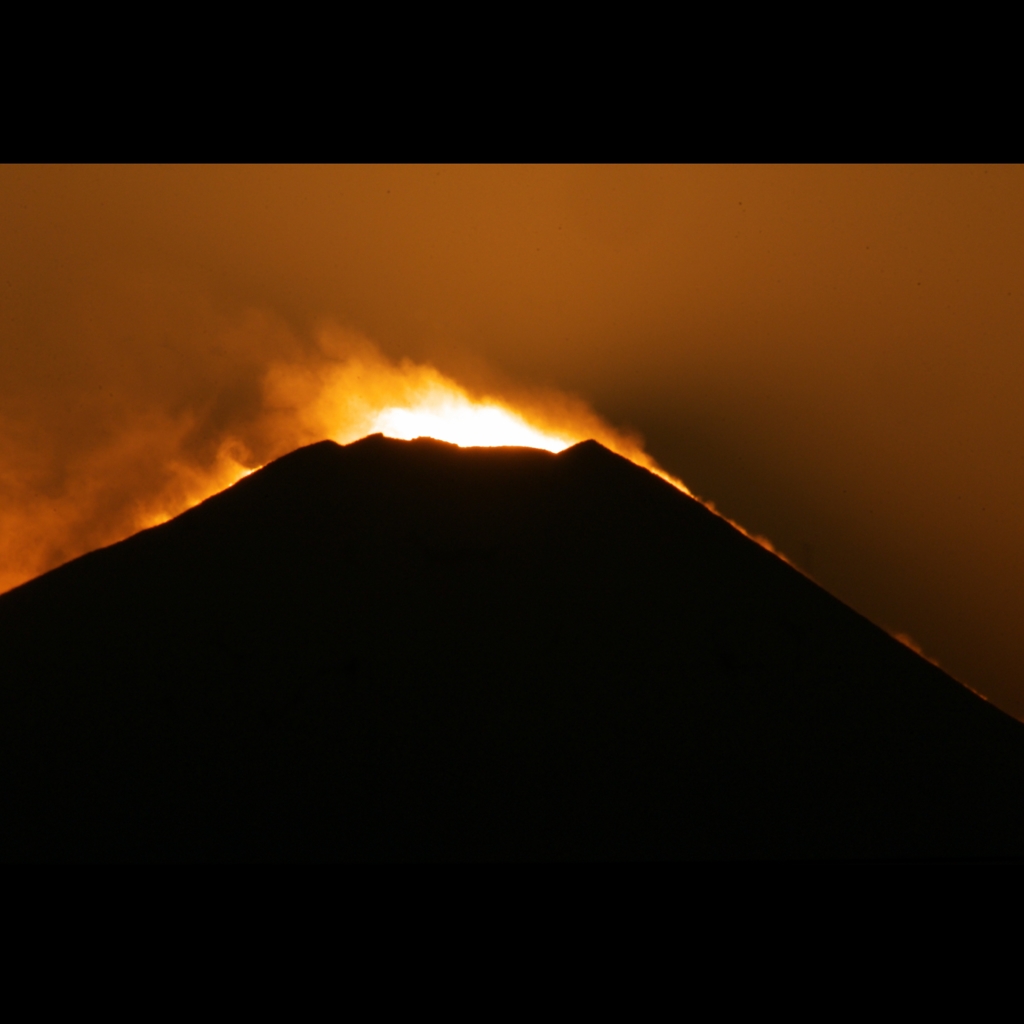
(409,651)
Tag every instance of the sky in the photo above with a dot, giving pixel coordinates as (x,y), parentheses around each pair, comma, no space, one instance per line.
(832,355)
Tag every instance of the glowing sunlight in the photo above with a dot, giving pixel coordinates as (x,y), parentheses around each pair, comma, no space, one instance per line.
(454,418)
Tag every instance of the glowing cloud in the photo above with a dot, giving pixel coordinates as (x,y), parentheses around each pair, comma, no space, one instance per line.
(355,391)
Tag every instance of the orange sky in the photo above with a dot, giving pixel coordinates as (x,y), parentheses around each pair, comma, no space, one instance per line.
(833,355)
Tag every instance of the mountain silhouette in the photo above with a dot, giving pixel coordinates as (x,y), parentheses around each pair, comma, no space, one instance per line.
(406,650)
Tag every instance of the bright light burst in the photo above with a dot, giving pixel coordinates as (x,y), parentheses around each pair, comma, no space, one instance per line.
(458,420)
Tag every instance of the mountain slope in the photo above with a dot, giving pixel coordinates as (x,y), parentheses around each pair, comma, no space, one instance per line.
(407,650)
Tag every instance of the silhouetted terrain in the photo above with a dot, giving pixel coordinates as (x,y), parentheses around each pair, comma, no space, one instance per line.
(409,651)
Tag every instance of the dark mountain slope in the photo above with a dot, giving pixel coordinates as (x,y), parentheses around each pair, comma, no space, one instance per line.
(407,650)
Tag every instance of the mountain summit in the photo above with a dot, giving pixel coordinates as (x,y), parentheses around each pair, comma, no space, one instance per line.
(405,650)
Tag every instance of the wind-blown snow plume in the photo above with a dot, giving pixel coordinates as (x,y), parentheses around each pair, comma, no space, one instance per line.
(153,462)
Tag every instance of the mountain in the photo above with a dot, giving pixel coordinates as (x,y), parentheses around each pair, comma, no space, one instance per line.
(406,650)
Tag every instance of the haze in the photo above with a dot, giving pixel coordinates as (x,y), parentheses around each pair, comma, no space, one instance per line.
(831,355)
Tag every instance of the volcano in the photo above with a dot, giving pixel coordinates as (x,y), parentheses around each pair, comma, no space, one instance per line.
(411,651)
